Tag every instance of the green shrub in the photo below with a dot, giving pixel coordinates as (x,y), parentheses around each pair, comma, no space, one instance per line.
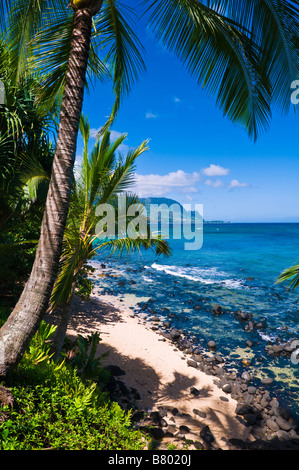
(56,408)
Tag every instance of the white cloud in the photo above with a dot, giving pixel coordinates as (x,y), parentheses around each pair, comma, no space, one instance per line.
(159,185)
(235,184)
(150,115)
(176,99)
(215,184)
(215,170)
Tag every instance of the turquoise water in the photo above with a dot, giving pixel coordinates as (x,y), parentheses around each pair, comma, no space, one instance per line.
(236,267)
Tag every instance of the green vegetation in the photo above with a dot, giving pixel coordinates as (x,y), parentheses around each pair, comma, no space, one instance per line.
(61,405)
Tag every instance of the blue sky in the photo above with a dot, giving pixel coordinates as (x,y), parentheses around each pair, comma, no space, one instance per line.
(196,155)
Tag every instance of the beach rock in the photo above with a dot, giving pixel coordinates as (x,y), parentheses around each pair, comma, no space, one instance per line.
(122,283)
(283,424)
(198,445)
(171,430)
(184,429)
(249,343)
(155,319)
(227,388)
(157,433)
(243,316)
(277,348)
(194,391)
(246,376)
(267,381)
(199,413)
(251,390)
(249,326)
(211,344)
(175,335)
(272,425)
(217,310)
(191,363)
(207,435)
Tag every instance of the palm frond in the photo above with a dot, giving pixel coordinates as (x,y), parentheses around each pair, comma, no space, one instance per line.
(291,274)
(25,18)
(274,24)
(219,55)
(122,49)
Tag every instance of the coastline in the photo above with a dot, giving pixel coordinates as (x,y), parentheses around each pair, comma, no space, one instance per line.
(186,397)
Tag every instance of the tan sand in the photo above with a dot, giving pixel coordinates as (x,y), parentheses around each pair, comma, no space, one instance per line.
(156,369)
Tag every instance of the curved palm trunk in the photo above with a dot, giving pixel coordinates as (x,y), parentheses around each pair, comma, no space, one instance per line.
(62,326)
(23,322)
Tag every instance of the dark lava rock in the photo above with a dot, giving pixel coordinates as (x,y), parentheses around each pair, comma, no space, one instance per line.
(175,335)
(194,391)
(157,433)
(207,435)
(155,417)
(184,429)
(227,388)
(217,309)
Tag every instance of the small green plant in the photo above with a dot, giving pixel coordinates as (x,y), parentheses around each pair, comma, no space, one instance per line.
(86,360)
(56,408)
(40,347)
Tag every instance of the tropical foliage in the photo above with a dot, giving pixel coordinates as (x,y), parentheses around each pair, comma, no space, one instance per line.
(100,179)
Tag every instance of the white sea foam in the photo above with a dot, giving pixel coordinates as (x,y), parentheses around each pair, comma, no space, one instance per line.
(203,275)
(267,337)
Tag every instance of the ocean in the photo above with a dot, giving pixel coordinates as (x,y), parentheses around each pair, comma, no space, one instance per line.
(237,268)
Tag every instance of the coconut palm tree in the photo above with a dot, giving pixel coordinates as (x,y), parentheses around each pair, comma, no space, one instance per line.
(242,51)
(99,180)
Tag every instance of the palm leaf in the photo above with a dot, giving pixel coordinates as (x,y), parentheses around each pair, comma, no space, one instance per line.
(274,24)
(219,55)
(121,49)
(291,274)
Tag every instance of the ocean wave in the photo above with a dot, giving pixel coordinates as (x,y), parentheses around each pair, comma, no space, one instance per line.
(203,275)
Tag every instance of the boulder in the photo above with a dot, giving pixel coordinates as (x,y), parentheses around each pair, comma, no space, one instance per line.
(217,310)
(211,344)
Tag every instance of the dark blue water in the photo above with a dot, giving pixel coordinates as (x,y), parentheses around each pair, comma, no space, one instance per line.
(237,267)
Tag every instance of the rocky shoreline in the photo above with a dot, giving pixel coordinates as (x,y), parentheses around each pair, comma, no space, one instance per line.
(272,425)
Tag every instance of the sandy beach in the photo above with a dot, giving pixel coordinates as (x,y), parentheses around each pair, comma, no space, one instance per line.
(158,370)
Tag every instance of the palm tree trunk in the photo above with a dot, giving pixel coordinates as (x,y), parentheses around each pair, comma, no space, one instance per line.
(23,322)
(62,326)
